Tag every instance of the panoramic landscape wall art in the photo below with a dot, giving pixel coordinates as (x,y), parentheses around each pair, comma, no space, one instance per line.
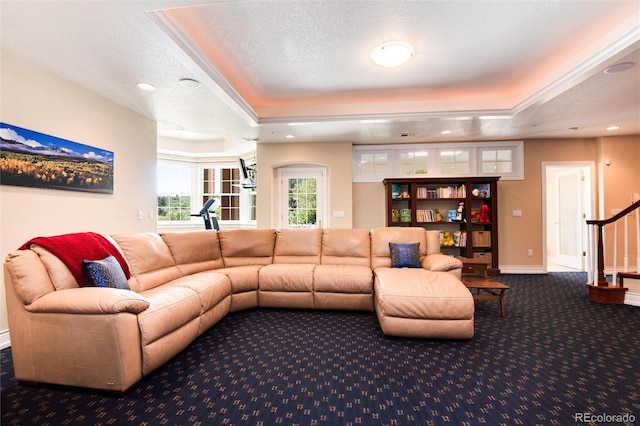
(29,158)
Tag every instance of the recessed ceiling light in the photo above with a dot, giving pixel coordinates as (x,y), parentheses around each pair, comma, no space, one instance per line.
(146,86)
(445,132)
(189,82)
(619,67)
(613,128)
(289,136)
(392,54)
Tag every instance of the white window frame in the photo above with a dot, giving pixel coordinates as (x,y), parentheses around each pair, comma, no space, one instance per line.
(433,171)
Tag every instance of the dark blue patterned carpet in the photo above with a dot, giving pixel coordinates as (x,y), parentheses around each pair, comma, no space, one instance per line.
(555,355)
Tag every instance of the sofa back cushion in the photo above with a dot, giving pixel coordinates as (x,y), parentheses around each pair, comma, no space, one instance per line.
(149,258)
(381,237)
(28,275)
(346,247)
(60,275)
(194,251)
(298,245)
(240,247)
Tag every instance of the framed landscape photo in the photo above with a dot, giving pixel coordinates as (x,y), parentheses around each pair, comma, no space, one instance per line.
(34,159)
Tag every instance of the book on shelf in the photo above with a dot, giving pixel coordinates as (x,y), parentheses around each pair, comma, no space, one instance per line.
(395,215)
(475,215)
(460,238)
(395,190)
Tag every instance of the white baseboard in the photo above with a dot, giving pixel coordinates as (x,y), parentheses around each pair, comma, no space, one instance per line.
(5,342)
(522,269)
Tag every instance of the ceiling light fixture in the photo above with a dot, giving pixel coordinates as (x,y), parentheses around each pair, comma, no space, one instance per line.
(445,132)
(289,136)
(619,67)
(189,82)
(392,54)
(613,128)
(146,86)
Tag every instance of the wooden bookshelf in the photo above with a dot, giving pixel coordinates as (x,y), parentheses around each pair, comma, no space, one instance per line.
(433,203)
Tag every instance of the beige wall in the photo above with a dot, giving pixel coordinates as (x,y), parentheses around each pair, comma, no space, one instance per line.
(519,234)
(37,100)
(335,156)
(621,179)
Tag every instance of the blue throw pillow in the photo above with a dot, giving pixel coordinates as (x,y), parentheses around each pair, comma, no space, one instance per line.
(106,272)
(405,255)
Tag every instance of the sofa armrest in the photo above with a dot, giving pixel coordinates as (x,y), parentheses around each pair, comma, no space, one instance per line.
(89,300)
(441,262)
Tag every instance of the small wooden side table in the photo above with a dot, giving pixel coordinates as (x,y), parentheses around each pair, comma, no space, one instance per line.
(493,289)
(473,266)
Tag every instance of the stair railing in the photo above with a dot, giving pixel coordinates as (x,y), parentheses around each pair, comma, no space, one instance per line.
(596,248)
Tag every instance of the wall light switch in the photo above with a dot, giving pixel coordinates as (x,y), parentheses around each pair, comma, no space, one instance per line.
(516,213)
(338,213)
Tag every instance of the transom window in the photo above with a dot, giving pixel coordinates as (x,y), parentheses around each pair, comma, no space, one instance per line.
(454,162)
(504,159)
(414,163)
(373,163)
(496,161)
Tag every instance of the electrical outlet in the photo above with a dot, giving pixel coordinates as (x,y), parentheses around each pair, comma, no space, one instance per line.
(140,215)
(530,252)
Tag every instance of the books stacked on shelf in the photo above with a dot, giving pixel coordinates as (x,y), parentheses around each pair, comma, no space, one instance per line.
(442,192)
(429,215)
(460,238)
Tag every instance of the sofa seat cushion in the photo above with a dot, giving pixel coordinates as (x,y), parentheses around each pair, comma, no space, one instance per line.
(287,277)
(422,294)
(170,308)
(343,279)
(211,286)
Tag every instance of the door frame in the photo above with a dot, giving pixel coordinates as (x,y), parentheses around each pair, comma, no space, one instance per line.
(589,197)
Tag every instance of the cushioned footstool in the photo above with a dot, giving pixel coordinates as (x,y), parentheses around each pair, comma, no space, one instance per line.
(414,302)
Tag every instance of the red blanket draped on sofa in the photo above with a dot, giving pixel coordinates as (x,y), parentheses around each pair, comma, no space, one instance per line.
(72,249)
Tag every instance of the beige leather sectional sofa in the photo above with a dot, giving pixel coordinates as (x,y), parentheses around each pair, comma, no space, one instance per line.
(182,284)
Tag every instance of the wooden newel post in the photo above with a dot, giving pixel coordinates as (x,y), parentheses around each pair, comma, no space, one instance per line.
(602,280)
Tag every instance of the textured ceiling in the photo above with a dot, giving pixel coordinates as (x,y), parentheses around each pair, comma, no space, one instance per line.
(273,68)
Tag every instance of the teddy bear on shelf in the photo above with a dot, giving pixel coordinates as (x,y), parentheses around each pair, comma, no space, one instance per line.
(447,239)
(485,213)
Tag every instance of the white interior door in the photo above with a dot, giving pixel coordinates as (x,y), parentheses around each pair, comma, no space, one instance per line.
(301,198)
(569,216)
